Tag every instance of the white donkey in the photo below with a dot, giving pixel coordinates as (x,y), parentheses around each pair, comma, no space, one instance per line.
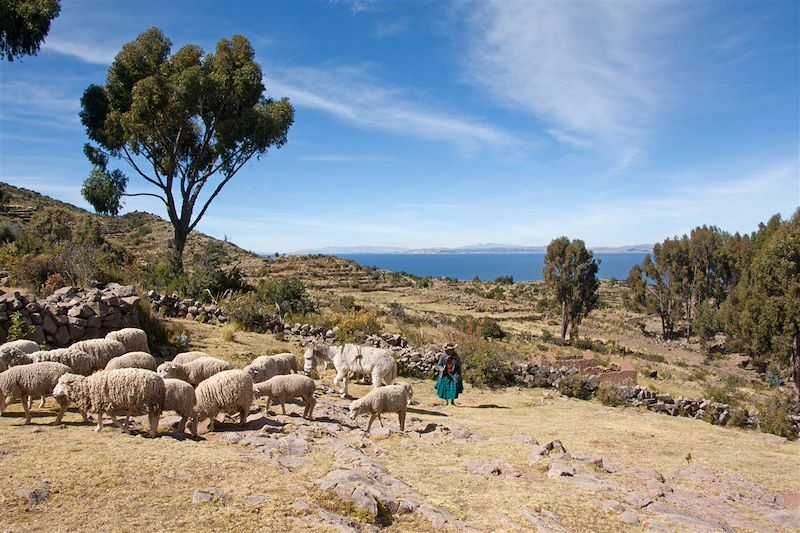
(352,358)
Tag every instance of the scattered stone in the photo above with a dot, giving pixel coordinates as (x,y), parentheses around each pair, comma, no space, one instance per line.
(628,517)
(255,500)
(559,469)
(37,494)
(206,495)
(613,505)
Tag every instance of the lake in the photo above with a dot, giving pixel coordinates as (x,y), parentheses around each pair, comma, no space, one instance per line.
(523,266)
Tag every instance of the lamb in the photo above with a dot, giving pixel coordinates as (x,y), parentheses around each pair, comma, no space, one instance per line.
(194,371)
(265,367)
(281,387)
(230,390)
(12,356)
(25,382)
(387,399)
(102,350)
(134,339)
(133,390)
(133,360)
(179,397)
(187,357)
(80,362)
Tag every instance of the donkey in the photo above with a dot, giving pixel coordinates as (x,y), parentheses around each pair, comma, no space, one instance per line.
(352,358)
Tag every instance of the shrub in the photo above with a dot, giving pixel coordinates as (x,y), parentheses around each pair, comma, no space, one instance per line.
(397,311)
(249,311)
(229,332)
(19,328)
(773,415)
(490,328)
(52,284)
(347,303)
(288,295)
(164,339)
(738,417)
(505,280)
(721,394)
(610,395)
(356,324)
(575,387)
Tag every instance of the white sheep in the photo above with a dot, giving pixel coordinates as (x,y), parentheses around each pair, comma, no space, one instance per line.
(133,360)
(194,371)
(279,388)
(80,362)
(102,350)
(179,397)
(22,345)
(187,357)
(134,339)
(228,391)
(387,399)
(265,367)
(132,390)
(25,382)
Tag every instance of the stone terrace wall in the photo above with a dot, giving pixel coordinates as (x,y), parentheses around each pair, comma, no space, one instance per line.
(71,314)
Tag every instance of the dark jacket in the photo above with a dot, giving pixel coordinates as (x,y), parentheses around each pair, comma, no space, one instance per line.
(442,365)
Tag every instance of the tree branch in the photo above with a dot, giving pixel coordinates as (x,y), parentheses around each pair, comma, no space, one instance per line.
(146,194)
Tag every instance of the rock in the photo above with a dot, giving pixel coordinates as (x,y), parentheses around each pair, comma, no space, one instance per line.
(628,517)
(206,495)
(558,469)
(255,500)
(613,505)
(688,521)
(39,493)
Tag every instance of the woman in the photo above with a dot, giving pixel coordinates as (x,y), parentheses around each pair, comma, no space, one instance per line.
(448,384)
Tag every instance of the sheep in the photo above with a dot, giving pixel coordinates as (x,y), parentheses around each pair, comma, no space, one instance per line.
(194,371)
(133,360)
(25,382)
(13,356)
(134,339)
(265,367)
(230,390)
(22,345)
(179,397)
(80,362)
(387,399)
(281,387)
(133,390)
(102,350)
(187,357)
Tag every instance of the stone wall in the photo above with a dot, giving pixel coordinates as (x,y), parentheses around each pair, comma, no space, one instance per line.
(176,307)
(71,314)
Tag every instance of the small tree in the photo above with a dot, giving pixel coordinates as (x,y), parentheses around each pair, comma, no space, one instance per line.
(194,118)
(104,190)
(24,24)
(570,274)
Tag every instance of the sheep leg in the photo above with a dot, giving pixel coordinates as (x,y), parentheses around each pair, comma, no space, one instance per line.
(153,419)
(283,406)
(380,419)
(243,416)
(211,419)
(269,402)
(194,425)
(182,426)
(371,420)
(99,427)
(309,410)
(402,418)
(63,403)
(26,405)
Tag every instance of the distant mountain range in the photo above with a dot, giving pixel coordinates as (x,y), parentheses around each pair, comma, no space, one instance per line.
(486,248)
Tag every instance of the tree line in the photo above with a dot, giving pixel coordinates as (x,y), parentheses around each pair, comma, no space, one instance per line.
(745,286)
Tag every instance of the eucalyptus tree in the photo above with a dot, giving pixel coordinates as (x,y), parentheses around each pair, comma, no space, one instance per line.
(185,123)
(24,24)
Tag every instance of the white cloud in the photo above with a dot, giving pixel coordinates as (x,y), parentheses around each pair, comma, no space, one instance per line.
(593,72)
(351,96)
(94,53)
(349,158)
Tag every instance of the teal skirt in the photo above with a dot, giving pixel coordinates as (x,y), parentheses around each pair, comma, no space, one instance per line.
(448,388)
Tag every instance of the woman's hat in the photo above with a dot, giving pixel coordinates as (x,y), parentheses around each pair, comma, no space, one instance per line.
(449,346)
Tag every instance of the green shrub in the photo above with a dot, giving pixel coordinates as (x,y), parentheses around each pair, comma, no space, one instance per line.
(773,415)
(505,280)
(356,324)
(738,417)
(721,394)
(347,303)
(575,387)
(19,328)
(396,310)
(490,328)
(249,311)
(287,295)
(610,395)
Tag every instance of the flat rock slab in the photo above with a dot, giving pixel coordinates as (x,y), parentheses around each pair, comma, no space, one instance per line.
(37,494)
(207,495)
(255,500)
(687,520)
(560,469)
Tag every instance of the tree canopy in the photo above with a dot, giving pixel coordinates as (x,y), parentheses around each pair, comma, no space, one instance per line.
(183,122)
(570,274)
(104,190)
(24,24)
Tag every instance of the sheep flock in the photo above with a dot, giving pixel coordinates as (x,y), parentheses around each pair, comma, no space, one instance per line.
(117,376)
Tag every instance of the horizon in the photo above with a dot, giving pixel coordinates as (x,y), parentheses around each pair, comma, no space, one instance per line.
(441,125)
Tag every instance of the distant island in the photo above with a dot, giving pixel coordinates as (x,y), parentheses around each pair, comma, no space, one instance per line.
(487,248)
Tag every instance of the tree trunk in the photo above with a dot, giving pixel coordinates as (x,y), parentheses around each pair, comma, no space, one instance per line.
(564,322)
(664,328)
(796,365)
(178,245)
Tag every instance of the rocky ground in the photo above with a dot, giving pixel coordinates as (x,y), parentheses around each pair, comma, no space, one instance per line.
(507,460)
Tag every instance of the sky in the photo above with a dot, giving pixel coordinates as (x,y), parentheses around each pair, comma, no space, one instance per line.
(423,124)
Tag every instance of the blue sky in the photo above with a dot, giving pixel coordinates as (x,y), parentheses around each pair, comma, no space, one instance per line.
(445,124)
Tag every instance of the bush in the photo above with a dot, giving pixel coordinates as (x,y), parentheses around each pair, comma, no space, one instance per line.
(505,280)
(773,415)
(210,277)
(610,395)
(356,324)
(575,387)
(249,311)
(287,295)
(229,332)
(19,328)
(738,417)
(490,328)
(347,303)
(721,394)
(165,340)
(397,311)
